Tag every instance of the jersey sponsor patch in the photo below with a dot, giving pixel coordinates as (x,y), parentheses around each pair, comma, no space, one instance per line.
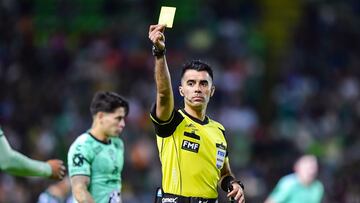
(78,159)
(169,200)
(190,146)
(220,155)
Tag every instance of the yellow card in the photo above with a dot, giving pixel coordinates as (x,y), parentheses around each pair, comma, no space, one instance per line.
(167,16)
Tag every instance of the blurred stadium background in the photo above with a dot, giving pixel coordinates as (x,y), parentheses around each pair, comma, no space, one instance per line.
(286,72)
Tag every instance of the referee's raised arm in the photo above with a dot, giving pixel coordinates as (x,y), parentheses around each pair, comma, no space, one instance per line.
(164,93)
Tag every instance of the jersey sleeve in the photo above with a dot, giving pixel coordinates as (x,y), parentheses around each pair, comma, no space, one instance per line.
(18,164)
(222,129)
(165,128)
(79,159)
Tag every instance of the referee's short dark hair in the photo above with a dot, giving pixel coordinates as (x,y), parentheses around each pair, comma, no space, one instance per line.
(197,65)
(104,101)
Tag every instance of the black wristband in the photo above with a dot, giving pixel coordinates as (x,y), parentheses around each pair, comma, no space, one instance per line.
(238,182)
(226,183)
(156,52)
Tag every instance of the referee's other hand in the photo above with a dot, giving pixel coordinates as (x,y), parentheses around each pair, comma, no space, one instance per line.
(237,193)
(58,169)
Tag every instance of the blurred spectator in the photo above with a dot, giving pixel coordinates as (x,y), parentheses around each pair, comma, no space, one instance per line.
(59,192)
(300,186)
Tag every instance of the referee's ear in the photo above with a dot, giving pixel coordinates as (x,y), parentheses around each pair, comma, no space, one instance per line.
(212,90)
(181,91)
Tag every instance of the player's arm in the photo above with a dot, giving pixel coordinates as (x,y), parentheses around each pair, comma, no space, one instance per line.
(79,186)
(164,96)
(229,183)
(18,164)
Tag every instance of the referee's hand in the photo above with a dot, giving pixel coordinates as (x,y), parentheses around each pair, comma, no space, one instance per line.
(237,193)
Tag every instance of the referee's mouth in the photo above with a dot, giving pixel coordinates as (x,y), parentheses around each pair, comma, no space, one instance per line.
(198,99)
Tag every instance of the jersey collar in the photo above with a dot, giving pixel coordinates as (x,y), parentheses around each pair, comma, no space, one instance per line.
(102,142)
(204,122)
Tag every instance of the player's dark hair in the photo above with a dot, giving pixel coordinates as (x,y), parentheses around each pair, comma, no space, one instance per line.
(197,65)
(108,102)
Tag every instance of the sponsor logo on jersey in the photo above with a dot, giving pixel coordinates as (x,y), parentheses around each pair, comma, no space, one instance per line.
(78,159)
(190,146)
(220,155)
(192,127)
(169,200)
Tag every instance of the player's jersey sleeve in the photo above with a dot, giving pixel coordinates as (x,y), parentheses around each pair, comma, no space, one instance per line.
(18,164)
(165,128)
(282,189)
(79,157)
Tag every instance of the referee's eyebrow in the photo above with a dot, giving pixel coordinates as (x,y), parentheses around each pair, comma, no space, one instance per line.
(204,81)
(201,81)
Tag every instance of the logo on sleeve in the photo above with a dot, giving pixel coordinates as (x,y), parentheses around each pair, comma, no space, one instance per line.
(78,160)
(220,155)
(190,146)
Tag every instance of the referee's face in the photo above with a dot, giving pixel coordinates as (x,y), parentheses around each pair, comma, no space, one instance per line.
(196,88)
(113,123)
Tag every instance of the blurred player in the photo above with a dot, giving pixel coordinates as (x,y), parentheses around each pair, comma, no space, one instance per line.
(301,186)
(192,147)
(59,192)
(96,157)
(18,164)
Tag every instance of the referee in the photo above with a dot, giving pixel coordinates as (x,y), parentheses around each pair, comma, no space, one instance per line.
(192,147)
